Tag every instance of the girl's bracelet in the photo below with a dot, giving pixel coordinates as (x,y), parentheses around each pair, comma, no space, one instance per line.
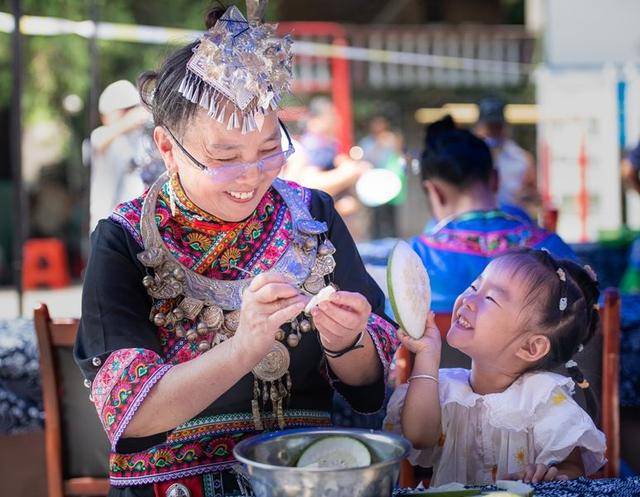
(422,377)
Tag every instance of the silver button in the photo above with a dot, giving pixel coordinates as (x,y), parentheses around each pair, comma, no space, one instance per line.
(178,490)
(87,383)
(96,361)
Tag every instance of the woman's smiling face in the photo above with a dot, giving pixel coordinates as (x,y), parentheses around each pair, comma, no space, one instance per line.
(213,145)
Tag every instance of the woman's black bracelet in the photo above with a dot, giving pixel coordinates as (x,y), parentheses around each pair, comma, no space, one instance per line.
(334,354)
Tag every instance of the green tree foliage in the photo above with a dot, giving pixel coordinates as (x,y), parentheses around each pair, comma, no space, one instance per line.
(56,66)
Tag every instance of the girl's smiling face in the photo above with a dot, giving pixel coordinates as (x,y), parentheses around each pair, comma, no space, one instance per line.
(490,318)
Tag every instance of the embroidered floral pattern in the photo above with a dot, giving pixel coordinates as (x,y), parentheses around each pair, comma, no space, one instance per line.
(385,338)
(488,244)
(200,446)
(120,386)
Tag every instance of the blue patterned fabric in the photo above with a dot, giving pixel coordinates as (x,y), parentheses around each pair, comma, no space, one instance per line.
(582,487)
(630,351)
(20,395)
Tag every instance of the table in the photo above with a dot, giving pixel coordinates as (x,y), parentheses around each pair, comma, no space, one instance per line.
(582,487)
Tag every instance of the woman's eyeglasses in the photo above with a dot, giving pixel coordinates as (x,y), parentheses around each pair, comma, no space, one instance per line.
(229,172)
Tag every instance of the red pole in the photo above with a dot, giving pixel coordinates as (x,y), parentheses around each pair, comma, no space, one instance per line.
(341,94)
(545,158)
(583,195)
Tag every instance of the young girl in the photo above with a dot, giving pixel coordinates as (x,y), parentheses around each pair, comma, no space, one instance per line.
(508,417)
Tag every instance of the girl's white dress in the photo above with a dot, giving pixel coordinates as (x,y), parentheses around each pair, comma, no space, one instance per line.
(488,437)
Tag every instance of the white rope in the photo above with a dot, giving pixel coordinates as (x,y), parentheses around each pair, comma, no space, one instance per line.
(52,26)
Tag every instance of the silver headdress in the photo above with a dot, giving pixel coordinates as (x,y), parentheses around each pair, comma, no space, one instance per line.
(242,62)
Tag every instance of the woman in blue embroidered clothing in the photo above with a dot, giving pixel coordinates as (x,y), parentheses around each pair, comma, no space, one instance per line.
(193,335)
(508,417)
(461,183)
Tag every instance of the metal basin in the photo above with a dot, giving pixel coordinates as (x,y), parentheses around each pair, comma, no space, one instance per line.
(270,461)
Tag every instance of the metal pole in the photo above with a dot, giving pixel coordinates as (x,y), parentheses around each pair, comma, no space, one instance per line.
(19,204)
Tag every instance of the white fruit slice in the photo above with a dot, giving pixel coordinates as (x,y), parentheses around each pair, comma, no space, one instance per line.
(335,453)
(409,289)
(322,295)
(515,487)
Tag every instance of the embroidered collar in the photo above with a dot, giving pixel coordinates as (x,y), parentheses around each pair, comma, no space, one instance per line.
(472,216)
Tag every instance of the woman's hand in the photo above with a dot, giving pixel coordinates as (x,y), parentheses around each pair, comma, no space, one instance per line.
(340,319)
(536,473)
(429,345)
(269,302)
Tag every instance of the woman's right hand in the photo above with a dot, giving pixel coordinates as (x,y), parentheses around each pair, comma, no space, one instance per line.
(431,342)
(267,303)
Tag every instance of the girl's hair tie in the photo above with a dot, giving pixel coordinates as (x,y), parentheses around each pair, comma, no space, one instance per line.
(564,301)
(580,348)
(571,364)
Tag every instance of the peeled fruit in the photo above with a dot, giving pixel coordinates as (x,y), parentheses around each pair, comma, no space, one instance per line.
(321,296)
(409,289)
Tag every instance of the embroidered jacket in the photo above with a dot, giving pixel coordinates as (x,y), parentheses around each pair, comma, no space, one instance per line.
(123,354)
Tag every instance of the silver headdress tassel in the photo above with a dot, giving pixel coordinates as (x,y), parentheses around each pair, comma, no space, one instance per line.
(241,62)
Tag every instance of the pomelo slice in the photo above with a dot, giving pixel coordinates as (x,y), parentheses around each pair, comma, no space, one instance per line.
(515,487)
(335,453)
(322,295)
(409,289)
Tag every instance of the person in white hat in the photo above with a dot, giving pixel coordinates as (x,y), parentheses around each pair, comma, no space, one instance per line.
(113,148)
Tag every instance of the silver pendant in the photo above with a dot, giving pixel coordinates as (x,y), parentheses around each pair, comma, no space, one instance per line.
(191,307)
(311,227)
(178,490)
(327,248)
(324,265)
(167,289)
(213,317)
(314,283)
(274,365)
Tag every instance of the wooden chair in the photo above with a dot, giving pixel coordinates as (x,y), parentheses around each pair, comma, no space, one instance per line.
(608,342)
(72,469)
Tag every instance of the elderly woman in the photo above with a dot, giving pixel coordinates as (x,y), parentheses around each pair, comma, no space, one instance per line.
(193,333)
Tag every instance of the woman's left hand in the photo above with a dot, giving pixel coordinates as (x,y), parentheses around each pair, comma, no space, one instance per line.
(340,319)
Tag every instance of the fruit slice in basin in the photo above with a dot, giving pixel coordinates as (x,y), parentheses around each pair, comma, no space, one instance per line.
(409,289)
(335,453)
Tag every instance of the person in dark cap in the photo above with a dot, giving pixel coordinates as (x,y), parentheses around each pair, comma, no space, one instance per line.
(515,166)
(460,180)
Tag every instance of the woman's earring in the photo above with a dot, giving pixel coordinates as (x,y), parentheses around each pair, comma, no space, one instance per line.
(172,194)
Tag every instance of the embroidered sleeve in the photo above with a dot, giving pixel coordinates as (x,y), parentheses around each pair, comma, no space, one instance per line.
(121,385)
(560,426)
(385,338)
(369,399)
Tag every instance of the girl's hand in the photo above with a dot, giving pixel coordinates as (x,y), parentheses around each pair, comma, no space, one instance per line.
(430,343)
(536,473)
(269,302)
(340,319)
